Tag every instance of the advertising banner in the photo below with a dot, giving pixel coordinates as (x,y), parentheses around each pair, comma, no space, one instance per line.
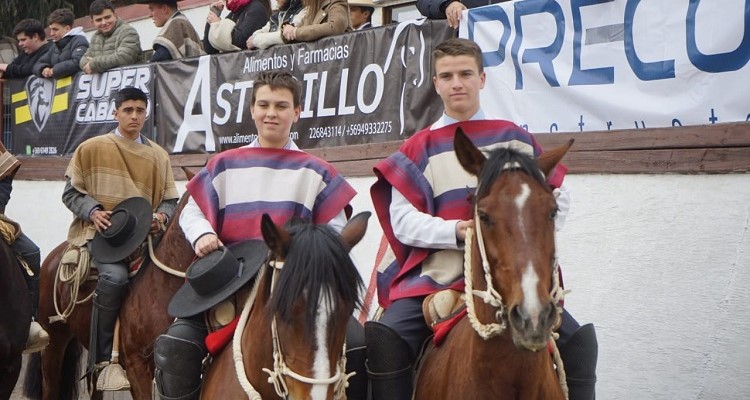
(364,87)
(597,65)
(51,117)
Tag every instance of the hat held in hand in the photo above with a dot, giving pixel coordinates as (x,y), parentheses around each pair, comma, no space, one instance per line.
(216,276)
(130,223)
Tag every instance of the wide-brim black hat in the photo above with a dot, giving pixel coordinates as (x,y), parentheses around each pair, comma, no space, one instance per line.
(131,221)
(213,278)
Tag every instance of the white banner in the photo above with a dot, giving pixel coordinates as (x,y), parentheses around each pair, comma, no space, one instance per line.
(594,65)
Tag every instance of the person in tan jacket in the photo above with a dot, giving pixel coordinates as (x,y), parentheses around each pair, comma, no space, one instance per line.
(324,18)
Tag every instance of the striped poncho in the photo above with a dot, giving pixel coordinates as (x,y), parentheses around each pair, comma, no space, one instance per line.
(110,169)
(238,186)
(427,172)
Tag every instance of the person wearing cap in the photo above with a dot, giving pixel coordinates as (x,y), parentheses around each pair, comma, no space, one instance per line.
(289,12)
(231,33)
(120,189)
(227,200)
(114,44)
(177,37)
(361,14)
(38,338)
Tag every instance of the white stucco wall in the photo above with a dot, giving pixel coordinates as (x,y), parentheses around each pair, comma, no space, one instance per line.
(659,263)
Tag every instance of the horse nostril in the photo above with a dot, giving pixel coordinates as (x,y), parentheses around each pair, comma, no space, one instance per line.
(516,317)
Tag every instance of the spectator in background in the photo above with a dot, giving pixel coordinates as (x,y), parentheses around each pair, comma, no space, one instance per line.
(177,37)
(289,12)
(8,49)
(450,9)
(115,43)
(231,33)
(70,44)
(361,12)
(324,18)
(30,36)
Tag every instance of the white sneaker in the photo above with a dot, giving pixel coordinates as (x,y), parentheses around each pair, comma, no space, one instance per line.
(38,338)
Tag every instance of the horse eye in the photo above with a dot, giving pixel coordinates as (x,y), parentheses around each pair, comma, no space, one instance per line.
(553,214)
(484,218)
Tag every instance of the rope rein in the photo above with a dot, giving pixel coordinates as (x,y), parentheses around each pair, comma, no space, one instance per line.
(493,298)
(280,368)
(160,264)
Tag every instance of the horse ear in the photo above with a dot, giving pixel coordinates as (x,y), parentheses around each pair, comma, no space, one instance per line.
(189,173)
(355,229)
(549,159)
(468,155)
(277,239)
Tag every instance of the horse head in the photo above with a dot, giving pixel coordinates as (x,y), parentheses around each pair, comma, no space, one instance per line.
(312,299)
(513,256)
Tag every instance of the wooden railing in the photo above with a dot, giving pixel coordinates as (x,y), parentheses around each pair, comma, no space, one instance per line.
(721,148)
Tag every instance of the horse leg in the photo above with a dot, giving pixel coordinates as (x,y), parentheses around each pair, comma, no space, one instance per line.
(9,372)
(52,363)
(140,375)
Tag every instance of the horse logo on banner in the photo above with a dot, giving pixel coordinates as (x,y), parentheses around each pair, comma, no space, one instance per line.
(40,92)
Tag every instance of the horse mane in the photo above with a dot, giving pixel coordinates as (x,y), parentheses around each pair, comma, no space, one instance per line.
(317,267)
(498,162)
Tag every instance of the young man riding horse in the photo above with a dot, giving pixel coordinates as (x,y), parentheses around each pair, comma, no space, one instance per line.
(109,179)
(421,198)
(27,249)
(227,203)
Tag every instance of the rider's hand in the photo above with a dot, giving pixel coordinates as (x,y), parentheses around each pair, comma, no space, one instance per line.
(461,229)
(206,244)
(100,218)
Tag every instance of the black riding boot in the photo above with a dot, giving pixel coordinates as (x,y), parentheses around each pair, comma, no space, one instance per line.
(579,354)
(179,355)
(107,300)
(389,364)
(356,356)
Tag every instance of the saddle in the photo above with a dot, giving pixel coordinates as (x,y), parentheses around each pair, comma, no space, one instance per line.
(442,311)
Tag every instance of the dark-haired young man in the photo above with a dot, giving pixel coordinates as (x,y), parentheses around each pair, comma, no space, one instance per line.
(104,171)
(177,37)
(70,44)
(31,39)
(115,43)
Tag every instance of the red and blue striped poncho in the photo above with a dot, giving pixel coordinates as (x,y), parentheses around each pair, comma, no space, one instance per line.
(426,171)
(238,186)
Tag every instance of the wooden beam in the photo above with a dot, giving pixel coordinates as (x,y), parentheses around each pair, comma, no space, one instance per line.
(721,148)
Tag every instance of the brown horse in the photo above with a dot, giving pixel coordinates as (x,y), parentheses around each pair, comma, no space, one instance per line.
(499,351)
(14,325)
(305,306)
(143,317)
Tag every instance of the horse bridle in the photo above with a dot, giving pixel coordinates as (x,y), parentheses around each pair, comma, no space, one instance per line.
(490,295)
(280,369)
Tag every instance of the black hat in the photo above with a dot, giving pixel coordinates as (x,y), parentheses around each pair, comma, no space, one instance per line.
(213,278)
(131,221)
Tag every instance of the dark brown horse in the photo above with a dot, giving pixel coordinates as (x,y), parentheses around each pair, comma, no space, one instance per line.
(499,351)
(14,324)
(306,304)
(143,317)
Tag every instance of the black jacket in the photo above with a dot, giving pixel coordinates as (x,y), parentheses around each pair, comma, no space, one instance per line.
(23,65)
(435,9)
(64,56)
(247,20)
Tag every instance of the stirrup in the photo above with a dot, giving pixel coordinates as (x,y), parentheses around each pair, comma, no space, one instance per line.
(38,338)
(111,377)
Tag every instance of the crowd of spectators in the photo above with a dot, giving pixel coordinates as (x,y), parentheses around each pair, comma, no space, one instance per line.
(63,49)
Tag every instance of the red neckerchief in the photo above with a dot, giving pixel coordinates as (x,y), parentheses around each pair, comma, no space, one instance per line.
(234,5)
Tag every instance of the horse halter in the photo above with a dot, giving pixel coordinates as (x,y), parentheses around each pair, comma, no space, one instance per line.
(490,295)
(280,369)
